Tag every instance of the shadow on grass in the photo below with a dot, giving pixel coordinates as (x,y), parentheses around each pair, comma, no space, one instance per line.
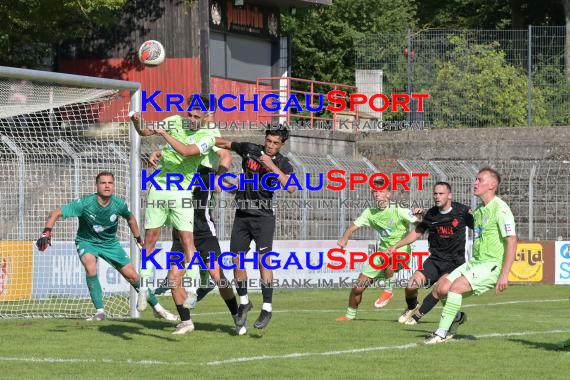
(126,332)
(547,346)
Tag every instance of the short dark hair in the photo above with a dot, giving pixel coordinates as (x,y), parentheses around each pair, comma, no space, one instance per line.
(278,130)
(492,172)
(378,182)
(442,183)
(205,100)
(104,174)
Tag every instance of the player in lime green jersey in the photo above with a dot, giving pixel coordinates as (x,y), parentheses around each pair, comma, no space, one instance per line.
(494,249)
(97,238)
(392,224)
(182,154)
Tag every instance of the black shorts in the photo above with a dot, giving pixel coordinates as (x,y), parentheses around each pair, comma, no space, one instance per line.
(204,245)
(249,227)
(434,269)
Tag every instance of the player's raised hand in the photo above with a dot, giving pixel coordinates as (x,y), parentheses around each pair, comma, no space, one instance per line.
(267,161)
(390,250)
(45,239)
(154,158)
(502,284)
(419,211)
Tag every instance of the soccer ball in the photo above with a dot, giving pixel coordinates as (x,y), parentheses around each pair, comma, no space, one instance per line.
(151,53)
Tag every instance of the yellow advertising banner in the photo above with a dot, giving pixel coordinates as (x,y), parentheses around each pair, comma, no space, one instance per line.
(16,270)
(529,263)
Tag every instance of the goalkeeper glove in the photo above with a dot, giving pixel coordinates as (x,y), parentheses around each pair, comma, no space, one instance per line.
(44,240)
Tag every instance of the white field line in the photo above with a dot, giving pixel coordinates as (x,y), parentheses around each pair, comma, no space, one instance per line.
(297,355)
(294,355)
(395,309)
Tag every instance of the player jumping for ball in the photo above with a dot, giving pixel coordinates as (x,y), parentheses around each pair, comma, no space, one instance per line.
(392,224)
(494,250)
(97,238)
(446,223)
(182,154)
(255,221)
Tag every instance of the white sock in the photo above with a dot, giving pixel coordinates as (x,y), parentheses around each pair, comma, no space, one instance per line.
(441,332)
(389,290)
(267,307)
(158,308)
(100,310)
(244,300)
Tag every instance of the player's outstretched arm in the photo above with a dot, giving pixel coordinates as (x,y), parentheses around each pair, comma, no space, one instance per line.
(134,226)
(347,234)
(184,149)
(510,253)
(223,167)
(137,123)
(411,237)
(223,143)
(154,158)
(45,239)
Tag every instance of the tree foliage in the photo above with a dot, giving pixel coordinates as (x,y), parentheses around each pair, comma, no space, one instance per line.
(323,37)
(476,87)
(32,30)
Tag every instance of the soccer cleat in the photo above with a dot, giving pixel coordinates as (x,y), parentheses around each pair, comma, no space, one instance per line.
(407,315)
(345,318)
(142,302)
(165,314)
(460,319)
(434,338)
(99,316)
(240,330)
(263,319)
(411,321)
(191,300)
(184,327)
(241,316)
(383,300)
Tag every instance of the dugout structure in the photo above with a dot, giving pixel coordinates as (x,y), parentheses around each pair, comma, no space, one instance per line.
(57,131)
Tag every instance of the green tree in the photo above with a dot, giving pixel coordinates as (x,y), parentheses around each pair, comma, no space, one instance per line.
(323,37)
(476,87)
(32,30)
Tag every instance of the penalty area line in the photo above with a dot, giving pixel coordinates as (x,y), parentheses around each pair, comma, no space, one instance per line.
(296,355)
(288,311)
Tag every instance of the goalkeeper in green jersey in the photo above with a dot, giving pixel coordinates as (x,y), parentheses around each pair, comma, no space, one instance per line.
(494,250)
(97,237)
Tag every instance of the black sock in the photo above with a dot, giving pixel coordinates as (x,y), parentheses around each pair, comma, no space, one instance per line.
(202,292)
(267,292)
(412,302)
(242,288)
(183,313)
(232,305)
(429,303)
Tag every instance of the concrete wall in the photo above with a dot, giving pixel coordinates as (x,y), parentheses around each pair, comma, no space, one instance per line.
(384,148)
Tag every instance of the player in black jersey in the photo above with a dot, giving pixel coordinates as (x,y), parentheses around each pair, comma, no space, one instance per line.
(255,221)
(445,223)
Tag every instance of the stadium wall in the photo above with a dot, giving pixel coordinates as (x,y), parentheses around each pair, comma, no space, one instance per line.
(481,144)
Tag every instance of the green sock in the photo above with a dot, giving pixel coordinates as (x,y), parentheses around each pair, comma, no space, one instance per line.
(95,291)
(450,310)
(151,297)
(204,277)
(351,313)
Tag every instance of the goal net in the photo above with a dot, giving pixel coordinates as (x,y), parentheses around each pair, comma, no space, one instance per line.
(57,132)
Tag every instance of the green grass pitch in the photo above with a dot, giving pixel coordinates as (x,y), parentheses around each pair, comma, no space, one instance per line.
(514,335)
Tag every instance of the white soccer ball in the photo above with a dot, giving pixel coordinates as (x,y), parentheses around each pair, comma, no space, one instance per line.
(151,53)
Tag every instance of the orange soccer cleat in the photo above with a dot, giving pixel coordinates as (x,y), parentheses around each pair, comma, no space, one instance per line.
(345,318)
(383,300)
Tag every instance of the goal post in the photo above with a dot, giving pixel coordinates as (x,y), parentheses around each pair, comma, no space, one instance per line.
(57,131)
